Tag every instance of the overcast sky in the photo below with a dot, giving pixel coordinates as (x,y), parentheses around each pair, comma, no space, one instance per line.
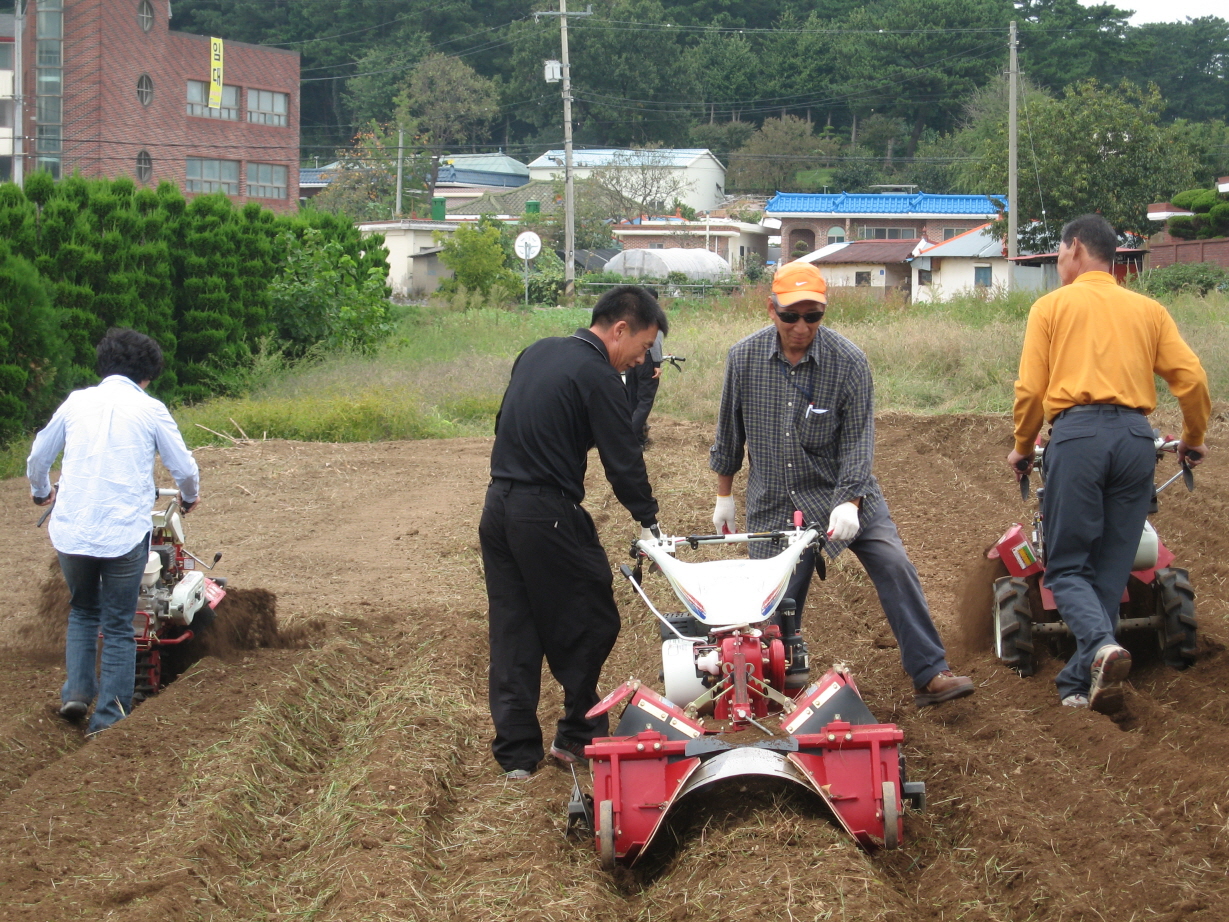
(1168,10)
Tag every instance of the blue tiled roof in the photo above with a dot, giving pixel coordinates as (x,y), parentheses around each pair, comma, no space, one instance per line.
(884,204)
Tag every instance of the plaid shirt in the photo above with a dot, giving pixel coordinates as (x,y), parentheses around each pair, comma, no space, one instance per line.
(809,430)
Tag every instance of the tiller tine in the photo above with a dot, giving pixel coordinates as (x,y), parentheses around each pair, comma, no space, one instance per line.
(658,755)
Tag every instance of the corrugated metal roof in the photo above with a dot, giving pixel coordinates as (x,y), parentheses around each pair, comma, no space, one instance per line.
(513,201)
(845,203)
(488,163)
(600,157)
(869,251)
(978,242)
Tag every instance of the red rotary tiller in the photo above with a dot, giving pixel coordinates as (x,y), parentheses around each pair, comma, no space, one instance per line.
(739,669)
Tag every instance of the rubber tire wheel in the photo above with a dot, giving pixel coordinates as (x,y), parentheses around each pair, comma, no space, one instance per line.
(605,835)
(1175,603)
(891,816)
(1013,622)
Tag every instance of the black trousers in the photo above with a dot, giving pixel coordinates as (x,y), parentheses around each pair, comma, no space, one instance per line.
(549,588)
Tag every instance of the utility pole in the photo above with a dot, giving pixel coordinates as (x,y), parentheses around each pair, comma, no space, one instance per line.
(19,115)
(1013,188)
(569,197)
(400,158)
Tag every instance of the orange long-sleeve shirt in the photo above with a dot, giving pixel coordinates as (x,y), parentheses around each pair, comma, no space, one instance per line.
(1094,341)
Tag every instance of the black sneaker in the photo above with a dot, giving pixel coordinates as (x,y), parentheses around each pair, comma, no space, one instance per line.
(567,752)
(74,710)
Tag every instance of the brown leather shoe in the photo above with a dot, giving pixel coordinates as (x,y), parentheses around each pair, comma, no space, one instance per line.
(943,687)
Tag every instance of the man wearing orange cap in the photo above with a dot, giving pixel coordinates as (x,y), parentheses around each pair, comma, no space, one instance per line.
(799,399)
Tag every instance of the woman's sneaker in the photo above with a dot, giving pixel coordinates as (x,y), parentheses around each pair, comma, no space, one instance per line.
(1110,666)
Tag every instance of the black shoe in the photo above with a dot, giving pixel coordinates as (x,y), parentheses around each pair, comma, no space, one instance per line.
(567,752)
(74,711)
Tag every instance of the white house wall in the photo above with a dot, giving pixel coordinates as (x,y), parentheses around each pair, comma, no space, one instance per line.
(703,181)
(955,275)
(842,275)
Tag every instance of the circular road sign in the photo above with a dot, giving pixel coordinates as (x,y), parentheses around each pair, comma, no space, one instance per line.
(527,245)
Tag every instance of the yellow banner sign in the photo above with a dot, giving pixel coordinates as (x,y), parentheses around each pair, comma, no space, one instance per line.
(215,73)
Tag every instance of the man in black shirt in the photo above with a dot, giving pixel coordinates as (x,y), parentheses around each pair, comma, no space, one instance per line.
(549,584)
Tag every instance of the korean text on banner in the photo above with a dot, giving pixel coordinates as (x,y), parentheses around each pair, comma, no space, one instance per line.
(215,73)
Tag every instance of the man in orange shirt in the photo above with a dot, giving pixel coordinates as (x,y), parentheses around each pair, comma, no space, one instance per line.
(1090,352)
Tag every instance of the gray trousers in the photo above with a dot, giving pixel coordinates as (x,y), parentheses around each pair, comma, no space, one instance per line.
(1099,466)
(879,548)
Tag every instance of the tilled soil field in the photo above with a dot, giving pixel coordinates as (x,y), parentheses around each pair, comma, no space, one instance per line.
(339,768)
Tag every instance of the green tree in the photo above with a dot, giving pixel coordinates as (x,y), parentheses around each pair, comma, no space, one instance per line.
(324,296)
(477,256)
(629,87)
(923,68)
(33,348)
(364,186)
(770,158)
(1064,42)
(1098,149)
(722,138)
(449,103)
(1188,61)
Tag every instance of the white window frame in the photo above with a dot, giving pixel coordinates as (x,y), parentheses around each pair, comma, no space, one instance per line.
(259,187)
(263,107)
(199,107)
(888,233)
(209,176)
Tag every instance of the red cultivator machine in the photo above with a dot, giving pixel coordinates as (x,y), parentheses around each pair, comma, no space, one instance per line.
(728,659)
(176,600)
(1158,597)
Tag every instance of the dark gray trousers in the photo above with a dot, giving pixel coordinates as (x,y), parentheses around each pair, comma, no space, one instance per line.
(882,554)
(1099,466)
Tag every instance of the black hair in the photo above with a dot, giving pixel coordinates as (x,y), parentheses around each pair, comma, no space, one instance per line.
(633,304)
(1097,235)
(129,353)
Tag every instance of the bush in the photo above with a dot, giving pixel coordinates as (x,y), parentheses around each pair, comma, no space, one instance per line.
(1189,278)
(477,258)
(193,275)
(33,347)
(324,298)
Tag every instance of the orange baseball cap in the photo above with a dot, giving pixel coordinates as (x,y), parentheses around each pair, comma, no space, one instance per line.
(798,281)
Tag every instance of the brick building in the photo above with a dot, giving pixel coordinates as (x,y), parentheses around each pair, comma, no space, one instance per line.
(111,91)
(811,221)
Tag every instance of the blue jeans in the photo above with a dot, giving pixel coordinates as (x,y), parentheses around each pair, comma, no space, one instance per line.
(104,597)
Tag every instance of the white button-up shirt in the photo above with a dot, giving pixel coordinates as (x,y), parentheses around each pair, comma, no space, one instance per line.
(109,435)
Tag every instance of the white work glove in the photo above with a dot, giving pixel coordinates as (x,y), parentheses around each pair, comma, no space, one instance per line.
(723,515)
(843,524)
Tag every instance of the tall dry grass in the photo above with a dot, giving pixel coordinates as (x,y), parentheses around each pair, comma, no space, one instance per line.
(443,372)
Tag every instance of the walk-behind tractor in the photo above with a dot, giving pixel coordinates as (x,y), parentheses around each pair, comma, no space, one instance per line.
(1158,596)
(176,600)
(175,603)
(733,662)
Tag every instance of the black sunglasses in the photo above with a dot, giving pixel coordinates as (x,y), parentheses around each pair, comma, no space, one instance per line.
(794,316)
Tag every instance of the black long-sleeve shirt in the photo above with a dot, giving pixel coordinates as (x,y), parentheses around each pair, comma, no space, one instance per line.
(565,397)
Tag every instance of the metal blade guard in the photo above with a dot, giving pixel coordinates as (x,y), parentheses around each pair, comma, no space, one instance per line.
(658,756)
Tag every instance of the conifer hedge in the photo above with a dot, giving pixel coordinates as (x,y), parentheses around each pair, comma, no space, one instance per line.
(81,255)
